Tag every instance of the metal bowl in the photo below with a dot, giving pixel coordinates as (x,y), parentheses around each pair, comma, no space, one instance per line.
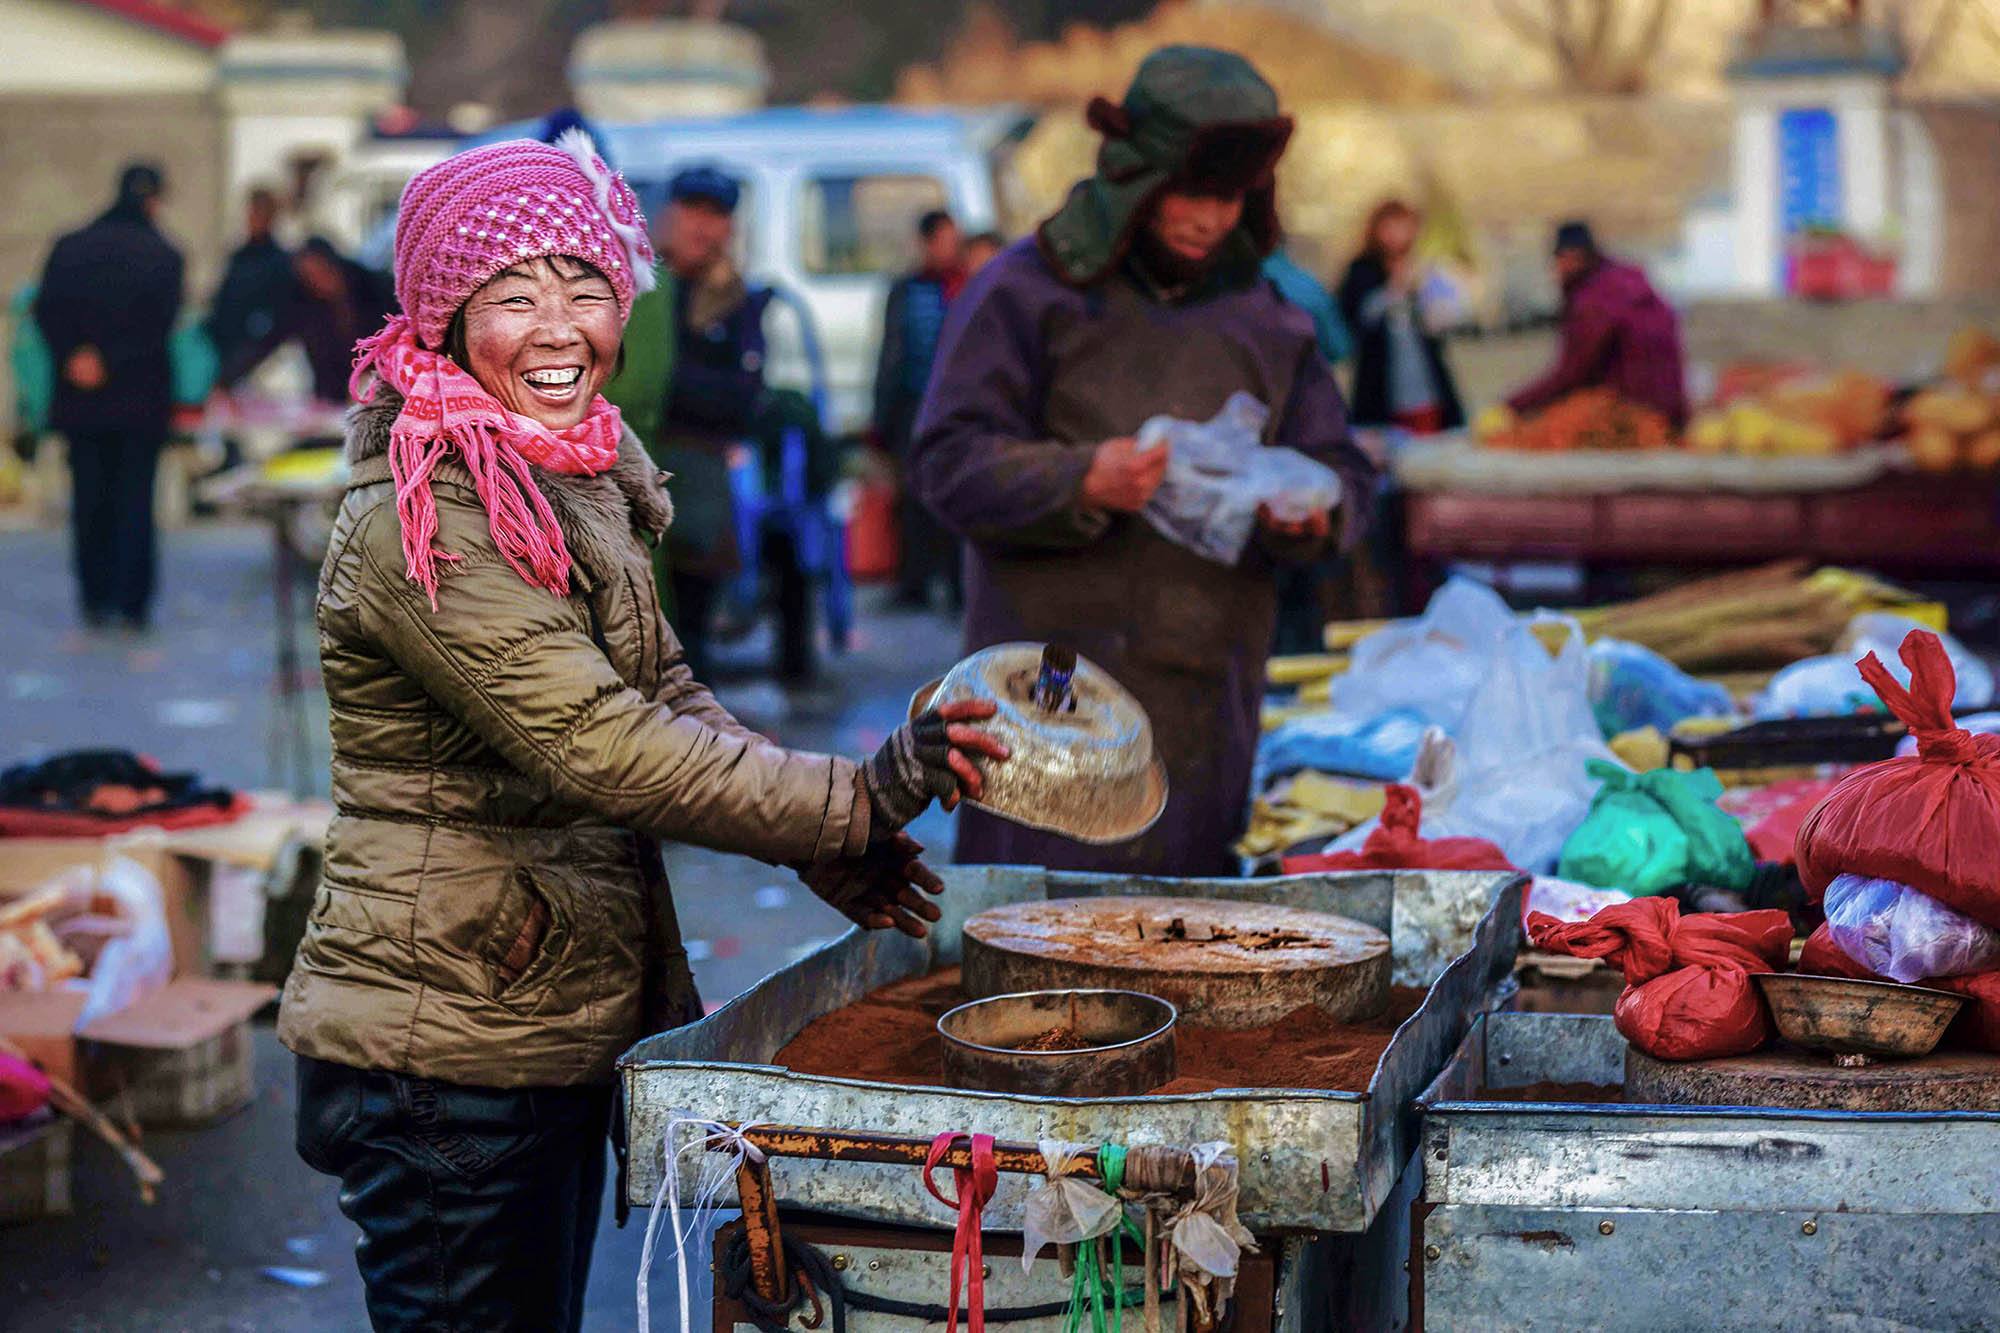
(988,1043)
(1858,1020)
(1085,769)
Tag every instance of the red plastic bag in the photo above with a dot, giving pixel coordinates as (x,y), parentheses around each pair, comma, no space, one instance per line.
(1929,820)
(1821,957)
(1977,1026)
(24,1089)
(1773,838)
(1688,993)
(1394,845)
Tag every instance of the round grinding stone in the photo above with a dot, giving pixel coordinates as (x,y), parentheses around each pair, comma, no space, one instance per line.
(1808,1081)
(1223,964)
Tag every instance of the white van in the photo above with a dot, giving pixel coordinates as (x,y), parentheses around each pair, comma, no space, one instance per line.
(830,205)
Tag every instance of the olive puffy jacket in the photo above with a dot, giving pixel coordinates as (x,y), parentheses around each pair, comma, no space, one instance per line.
(493,911)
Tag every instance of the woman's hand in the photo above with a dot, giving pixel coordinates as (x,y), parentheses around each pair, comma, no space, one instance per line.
(930,757)
(1122,476)
(878,889)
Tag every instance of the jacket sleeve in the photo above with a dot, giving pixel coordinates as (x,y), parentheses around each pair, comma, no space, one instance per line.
(58,307)
(1314,422)
(520,668)
(687,697)
(1587,334)
(981,461)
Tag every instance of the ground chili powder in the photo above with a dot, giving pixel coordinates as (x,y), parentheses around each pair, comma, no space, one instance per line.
(890,1036)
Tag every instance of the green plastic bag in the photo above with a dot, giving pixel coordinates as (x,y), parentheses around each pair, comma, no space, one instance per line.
(1718,852)
(1628,840)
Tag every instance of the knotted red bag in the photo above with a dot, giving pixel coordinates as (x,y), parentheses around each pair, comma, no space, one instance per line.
(1929,820)
(1688,993)
(1978,1023)
(1395,845)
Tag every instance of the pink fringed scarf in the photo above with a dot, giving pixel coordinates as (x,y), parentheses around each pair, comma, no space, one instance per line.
(444,411)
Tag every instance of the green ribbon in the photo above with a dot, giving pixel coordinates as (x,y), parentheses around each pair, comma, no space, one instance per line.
(1087,1285)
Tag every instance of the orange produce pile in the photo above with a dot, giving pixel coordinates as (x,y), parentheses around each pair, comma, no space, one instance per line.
(1587,419)
(1956,424)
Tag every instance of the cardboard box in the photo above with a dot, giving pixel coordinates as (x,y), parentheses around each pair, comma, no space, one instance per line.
(34,1170)
(181,1054)
(28,863)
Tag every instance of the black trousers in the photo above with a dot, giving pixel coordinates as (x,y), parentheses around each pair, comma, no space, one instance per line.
(694,613)
(477,1206)
(111,519)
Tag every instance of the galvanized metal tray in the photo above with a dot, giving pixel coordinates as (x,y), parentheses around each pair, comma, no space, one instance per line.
(1311,1160)
(1623,1216)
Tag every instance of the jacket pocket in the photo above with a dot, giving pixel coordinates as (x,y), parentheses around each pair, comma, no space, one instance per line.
(529,935)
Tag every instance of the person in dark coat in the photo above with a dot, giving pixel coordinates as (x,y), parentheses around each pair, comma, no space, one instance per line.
(1400,375)
(106,305)
(1142,295)
(712,396)
(912,318)
(332,304)
(1617,332)
(256,282)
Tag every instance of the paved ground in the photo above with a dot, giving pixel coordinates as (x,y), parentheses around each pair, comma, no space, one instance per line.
(198,694)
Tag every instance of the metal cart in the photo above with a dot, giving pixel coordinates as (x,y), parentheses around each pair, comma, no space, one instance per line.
(1318,1167)
(1620,1216)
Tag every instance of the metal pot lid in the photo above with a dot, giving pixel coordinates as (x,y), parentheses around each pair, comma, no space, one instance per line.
(1083,764)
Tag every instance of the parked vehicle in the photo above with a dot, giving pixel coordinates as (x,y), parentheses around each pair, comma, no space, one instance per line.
(830,202)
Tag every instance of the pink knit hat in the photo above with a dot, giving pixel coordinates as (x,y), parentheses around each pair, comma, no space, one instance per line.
(474,214)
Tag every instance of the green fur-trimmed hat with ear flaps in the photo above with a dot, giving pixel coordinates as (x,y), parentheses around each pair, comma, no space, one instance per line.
(1195,119)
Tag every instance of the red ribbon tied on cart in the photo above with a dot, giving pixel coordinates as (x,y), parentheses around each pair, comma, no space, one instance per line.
(974,1185)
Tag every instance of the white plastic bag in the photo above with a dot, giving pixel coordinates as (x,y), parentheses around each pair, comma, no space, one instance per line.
(1204,1232)
(1433,664)
(139,961)
(1893,930)
(1514,774)
(1829,685)
(1219,471)
(1063,1209)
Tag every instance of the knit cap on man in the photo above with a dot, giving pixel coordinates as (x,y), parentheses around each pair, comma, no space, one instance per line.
(480,211)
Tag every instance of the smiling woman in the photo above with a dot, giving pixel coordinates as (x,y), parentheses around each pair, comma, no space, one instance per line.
(542,337)
(514,727)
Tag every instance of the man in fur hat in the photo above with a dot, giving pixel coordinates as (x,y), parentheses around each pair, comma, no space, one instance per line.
(1141,295)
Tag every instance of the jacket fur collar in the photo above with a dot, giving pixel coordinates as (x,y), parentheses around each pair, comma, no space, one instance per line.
(598,514)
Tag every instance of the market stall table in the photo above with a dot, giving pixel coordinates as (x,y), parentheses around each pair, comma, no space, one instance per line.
(1463,502)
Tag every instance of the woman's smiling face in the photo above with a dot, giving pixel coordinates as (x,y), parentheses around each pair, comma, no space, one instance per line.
(542,337)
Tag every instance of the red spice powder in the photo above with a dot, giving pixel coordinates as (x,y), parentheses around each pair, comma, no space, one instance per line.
(890,1036)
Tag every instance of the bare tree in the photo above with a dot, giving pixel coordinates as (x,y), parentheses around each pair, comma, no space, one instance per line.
(1598,46)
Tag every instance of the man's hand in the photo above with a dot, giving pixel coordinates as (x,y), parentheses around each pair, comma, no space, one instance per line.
(84,369)
(878,890)
(1315,526)
(1122,476)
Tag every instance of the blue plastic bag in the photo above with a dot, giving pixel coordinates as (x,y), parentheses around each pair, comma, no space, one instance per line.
(1633,687)
(1383,746)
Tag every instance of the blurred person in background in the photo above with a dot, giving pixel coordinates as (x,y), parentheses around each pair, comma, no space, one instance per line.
(106,306)
(979,249)
(1617,333)
(1304,591)
(911,321)
(1143,294)
(256,282)
(1401,377)
(514,728)
(330,304)
(696,374)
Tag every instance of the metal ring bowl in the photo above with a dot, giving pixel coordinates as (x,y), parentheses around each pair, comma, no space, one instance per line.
(1089,773)
(981,1043)
(1858,1020)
